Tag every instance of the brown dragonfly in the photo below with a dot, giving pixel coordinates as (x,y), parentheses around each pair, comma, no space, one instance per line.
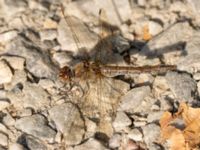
(101,91)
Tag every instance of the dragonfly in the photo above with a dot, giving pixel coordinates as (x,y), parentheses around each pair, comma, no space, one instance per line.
(102,91)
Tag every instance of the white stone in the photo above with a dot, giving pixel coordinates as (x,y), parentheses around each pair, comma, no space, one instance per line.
(48,34)
(5,73)
(7,36)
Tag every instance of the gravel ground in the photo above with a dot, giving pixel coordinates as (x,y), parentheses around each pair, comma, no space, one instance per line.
(40,112)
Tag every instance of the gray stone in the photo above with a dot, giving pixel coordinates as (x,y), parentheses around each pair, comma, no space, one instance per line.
(182,85)
(70,124)
(8,120)
(35,96)
(37,60)
(134,98)
(121,121)
(154,116)
(34,143)
(36,125)
(5,73)
(151,134)
(90,144)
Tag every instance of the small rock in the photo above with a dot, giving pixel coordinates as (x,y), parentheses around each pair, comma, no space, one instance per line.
(90,144)
(134,98)
(36,125)
(5,73)
(182,85)
(115,141)
(25,112)
(3,139)
(154,116)
(35,96)
(141,2)
(34,143)
(15,62)
(16,146)
(151,134)
(70,124)
(48,34)
(143,78)
(154,28)
(121,121)
(46,83)
(160,86)
(3,128)
(135,135)
(198,86)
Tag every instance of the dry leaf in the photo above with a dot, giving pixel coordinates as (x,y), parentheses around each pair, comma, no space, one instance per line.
(181,139)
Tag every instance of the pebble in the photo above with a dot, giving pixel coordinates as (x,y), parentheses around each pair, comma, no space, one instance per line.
(182,85)
(34,144)
(70,124)
(3,104)
(115,141)
(8,120)
(135,135)
(121,121)
(198,87)
(151,134)
(35,96)
(154,28)
(36,125)
(5,73)
(154,116)
(8,36)
(62,58)
(133,98)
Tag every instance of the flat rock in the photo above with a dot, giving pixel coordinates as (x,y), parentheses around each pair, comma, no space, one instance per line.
(154,116)
(90,144)
(182,85)
(15,146)
(36,125)
(135,135)
(115,141)
(134,98)
(5,73)
(70,124)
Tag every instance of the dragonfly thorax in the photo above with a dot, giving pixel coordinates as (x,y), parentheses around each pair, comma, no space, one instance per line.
(66,73)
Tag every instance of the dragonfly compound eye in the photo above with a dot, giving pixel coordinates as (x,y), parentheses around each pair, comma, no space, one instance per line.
(66,73)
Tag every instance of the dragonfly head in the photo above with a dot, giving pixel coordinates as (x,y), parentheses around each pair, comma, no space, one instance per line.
(66,73)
